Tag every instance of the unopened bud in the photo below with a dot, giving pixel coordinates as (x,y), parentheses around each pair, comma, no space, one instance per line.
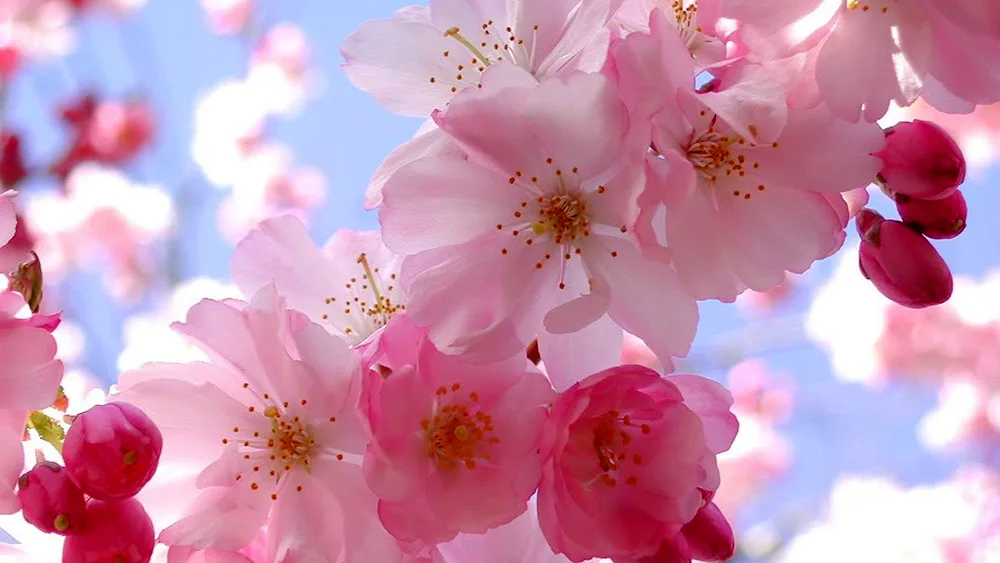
(117,531)
(938,218)
(904,266)
(920,160)
(50,501)
(112,450)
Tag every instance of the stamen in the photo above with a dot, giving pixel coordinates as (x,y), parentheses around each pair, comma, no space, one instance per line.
(454,33)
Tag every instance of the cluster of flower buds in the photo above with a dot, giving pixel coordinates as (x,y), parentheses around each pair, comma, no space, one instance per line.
(922,170)
(111,451)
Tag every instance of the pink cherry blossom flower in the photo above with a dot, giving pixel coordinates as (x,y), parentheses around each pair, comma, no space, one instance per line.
(864,54)
(227,17)
(532,232)
(29,377)
(228,122)
(454,445)
(351,286)
(109,132)
(697,22)
(767,179)
(630,460)
(901,263)
(418,61)
(268,429)
(920,160)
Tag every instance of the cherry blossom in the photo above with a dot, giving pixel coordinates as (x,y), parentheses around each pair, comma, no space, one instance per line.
(698,23)
(280,444)
(859,55)
(536,231)
(419,60)
(279,68)
(351,286)
(630,461)
(454,446)
(228,121)
(768,179)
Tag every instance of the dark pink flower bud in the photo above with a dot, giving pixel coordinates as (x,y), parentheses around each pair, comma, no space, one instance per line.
(937,218)
(50,501)
(920,160)
(904,266)
(709,535)
(867,221)
(112,450)
(117,531)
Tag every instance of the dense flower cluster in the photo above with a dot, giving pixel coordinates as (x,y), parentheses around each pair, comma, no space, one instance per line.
(493,371)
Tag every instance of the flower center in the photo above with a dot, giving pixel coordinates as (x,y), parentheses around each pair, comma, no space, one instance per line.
(367,306)
(563,216)
(613,435)
(710,154)
(458,433)
(272,450)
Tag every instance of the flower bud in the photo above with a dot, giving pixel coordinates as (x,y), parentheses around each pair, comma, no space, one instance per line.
(937,218)
(50,501)
(112,450)
(920,160)
(904,266)
(116,531)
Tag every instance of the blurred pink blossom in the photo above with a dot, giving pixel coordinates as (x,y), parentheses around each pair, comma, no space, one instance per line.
(228,122)
(36,28)
(227,17)
(109,132)
(279,68)
(266,185)
(103,215)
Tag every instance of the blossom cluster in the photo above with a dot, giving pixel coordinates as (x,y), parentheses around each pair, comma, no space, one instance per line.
(460,384)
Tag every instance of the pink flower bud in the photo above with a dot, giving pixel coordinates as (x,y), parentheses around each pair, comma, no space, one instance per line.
(112,450)
(904,266)
(867,222)
(937,218)
(920,160)
(50,501)
(118,531)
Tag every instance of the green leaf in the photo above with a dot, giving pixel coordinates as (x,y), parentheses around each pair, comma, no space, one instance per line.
(47,429)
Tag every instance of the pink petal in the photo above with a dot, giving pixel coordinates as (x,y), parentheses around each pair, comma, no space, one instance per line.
(426,144)
(29,374)
(306,524)
(751,101)
(438,201)
(225,518)
(281,251)
(648,298)
(711,402)
(8,219)
(11,458)
(394,61)
(571,357)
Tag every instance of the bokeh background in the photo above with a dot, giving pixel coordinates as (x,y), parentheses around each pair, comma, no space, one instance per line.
(870,433)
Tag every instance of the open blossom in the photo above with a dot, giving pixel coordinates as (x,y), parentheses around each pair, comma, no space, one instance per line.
(698,23)
(268,429)
(418,61)
(454,445)
(531,235)
(860,54)
(29,377)
(630,461)
(279,68)
(740,189)
(351,286)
